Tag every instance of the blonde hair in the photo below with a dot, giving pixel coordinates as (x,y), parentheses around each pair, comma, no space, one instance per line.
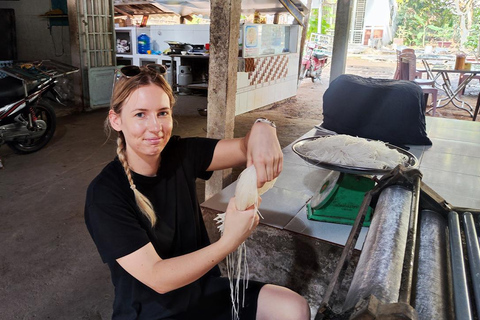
(123,88)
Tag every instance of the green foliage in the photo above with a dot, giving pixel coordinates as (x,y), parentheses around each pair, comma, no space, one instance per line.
(442,33)
(424,21)
(313,21)
(327,15)
(474,34)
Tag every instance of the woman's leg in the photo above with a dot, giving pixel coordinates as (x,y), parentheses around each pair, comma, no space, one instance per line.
(280,303)
(216,304)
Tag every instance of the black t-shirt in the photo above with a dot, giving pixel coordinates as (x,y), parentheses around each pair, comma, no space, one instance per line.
(118,227)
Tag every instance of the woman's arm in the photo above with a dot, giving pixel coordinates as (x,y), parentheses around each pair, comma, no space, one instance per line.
(259,147)
(170,274)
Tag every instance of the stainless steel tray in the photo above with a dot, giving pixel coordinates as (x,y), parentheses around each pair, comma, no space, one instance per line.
(412,160)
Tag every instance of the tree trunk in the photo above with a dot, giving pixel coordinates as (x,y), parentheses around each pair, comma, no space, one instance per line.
(222,80)
(465,11)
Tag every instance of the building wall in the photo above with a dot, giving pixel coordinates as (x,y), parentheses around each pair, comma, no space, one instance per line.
(378,16)
(35,40)
(377,13)
(273,78)
(188,33)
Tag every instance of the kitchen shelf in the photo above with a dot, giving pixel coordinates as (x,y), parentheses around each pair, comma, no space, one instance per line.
(196,86)
(54,16)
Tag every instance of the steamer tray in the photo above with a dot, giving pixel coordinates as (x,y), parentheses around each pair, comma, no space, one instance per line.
(412,161)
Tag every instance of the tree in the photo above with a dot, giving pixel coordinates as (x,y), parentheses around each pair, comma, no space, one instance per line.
(421,21)
(464,10)
(313,22)
(473,38)
(415,18)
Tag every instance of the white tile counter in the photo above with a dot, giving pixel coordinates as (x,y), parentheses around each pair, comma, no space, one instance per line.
(451,167)
(289,250)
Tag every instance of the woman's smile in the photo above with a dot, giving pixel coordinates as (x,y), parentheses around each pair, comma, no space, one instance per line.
(154,141)
(146,123)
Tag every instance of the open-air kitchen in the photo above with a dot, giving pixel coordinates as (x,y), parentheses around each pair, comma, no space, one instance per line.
(370,241)
(267,59)
(375,213)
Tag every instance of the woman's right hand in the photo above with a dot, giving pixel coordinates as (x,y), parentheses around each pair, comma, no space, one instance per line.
(238,225)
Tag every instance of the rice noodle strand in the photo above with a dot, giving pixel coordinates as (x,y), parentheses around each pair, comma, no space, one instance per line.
(246,195)
(353,151)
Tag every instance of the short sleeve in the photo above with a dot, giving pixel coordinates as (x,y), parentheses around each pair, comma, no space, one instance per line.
(199,154)
(113,224)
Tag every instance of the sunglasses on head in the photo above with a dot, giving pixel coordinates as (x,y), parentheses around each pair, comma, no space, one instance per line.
(132,71)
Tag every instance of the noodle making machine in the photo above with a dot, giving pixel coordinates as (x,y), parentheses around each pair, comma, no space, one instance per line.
(420,258)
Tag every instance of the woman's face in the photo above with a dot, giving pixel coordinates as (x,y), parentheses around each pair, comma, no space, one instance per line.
(145,120)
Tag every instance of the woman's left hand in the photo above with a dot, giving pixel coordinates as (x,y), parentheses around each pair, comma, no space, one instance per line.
(264,152)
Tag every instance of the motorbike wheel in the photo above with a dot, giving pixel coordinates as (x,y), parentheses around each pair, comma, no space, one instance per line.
(313,74)
(303,72)
(45,113)
(318,75)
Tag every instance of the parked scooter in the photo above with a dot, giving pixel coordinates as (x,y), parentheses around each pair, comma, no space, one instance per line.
(313,62)
(27,122)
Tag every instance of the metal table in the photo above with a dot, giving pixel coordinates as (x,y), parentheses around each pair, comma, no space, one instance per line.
(451,92)
(33,72)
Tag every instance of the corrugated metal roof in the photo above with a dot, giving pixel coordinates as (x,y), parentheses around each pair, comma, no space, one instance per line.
(189,7)
(138,9)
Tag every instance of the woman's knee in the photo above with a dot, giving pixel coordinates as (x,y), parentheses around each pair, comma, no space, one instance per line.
(280,303)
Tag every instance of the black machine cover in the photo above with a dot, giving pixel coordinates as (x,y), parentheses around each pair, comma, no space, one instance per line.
(392,111)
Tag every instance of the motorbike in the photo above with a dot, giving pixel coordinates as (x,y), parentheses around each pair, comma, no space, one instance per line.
(27,121)
(313,62)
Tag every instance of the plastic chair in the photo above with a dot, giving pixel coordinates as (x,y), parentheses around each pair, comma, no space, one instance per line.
(477,107)
(408,71)
(417,72)
(462,78)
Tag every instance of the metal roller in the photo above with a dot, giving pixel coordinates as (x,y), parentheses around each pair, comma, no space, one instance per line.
(406,286)
(432,298)
(380,265)
(473,250)
(460,289)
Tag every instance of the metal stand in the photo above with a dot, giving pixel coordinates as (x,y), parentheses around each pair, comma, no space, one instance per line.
(447,88)
(452,94)
(399,176)
(477,107)
(435,279)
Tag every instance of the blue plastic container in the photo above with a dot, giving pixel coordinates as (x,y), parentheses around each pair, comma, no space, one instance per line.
(143,43)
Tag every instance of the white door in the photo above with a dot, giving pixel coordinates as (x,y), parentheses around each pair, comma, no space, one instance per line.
(97,39)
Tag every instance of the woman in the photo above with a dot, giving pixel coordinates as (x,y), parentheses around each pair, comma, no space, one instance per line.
(143,214)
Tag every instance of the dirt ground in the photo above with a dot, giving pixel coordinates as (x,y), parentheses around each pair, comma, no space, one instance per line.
(49,266)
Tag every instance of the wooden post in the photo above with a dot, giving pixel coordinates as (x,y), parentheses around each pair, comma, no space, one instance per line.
(75,54)
(222,83)
(340,38)
(303,38)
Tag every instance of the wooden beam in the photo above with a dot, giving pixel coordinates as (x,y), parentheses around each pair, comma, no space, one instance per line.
(117,9)
(303,38)
(294,11)
(340,38)
(222,85)
(75,54)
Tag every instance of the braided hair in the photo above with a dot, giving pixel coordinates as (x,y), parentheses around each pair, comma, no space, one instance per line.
(123,88)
